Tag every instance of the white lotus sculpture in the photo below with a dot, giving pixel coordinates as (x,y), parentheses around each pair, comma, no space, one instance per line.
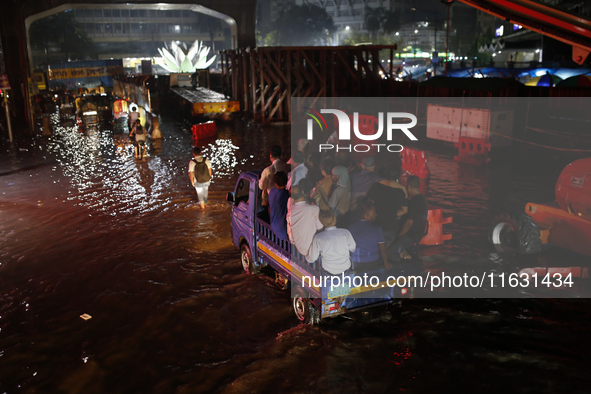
(179,62)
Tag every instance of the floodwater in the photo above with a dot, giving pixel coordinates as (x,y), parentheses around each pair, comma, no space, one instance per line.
(87,229)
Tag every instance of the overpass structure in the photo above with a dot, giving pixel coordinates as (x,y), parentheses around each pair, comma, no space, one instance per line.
(17,15)
(540,17)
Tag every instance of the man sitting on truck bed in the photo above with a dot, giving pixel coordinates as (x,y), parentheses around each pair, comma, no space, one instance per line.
(370,253)
(278,198)
(299,171)
(302,220)
(333,245)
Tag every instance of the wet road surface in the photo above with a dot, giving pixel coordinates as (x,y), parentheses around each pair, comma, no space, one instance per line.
(85,228)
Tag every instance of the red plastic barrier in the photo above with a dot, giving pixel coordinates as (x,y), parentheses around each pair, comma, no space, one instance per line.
(435,236)
(575,272)
(414,162)
(203,130)
(472,150)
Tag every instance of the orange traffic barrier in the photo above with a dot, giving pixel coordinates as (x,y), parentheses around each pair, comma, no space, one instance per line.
(435,236)
(203,130)
(472,150)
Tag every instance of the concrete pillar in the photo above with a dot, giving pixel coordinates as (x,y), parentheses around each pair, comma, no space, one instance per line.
(16,61)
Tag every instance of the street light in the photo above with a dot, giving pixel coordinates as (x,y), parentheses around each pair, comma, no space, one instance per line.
(435,19)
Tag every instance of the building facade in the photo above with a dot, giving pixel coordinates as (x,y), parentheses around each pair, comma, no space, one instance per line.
(138,33)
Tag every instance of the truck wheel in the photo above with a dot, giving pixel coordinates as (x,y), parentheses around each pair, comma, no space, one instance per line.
(515,234)
(247,261)
(303,308)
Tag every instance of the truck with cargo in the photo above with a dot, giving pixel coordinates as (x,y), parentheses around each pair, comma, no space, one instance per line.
(312,300)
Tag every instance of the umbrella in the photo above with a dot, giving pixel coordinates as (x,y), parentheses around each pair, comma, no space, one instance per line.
(577,80)
(544,80)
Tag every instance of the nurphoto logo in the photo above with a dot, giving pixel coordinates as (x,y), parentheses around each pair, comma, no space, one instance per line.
(344,129)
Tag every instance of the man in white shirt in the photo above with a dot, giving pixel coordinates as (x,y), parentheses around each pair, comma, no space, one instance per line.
(266,182)
(333,245)
(302,221)
(132,117)
(299,171)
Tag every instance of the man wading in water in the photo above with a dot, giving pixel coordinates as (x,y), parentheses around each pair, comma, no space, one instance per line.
(200,175)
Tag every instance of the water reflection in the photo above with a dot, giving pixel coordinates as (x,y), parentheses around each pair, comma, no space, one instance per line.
(105,176)
(92,230)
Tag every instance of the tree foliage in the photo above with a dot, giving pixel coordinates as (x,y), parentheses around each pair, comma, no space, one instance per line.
(381,20)
(356,37)
(302,25)
(63,34)
(212,26)
(481,40)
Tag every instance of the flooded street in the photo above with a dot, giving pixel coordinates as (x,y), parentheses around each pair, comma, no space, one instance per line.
(86,228)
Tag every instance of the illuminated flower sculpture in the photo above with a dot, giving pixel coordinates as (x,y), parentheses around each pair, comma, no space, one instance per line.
(178,62)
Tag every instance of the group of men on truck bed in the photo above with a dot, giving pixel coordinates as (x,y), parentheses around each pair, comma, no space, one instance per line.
(354,218)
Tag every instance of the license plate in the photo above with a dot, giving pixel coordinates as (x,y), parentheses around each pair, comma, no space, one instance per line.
(340,291)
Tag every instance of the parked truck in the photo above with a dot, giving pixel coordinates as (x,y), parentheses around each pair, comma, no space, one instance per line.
(260,247)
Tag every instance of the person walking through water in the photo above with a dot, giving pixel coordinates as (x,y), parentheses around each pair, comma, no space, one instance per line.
(194,79)
(132,117)
(139,140)
(200,175)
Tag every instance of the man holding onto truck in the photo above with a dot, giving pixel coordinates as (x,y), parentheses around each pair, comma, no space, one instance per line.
(362,180)
(266,182)
(413,229)
(333,245)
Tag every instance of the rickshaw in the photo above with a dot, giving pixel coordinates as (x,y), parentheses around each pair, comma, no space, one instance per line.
(120,114)
(67,113)
(90,116)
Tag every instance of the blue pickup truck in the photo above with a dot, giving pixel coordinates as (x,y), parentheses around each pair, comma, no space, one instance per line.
(312,301)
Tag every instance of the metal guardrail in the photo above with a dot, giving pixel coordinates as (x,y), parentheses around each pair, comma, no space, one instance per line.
(264,231)
(265,79)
